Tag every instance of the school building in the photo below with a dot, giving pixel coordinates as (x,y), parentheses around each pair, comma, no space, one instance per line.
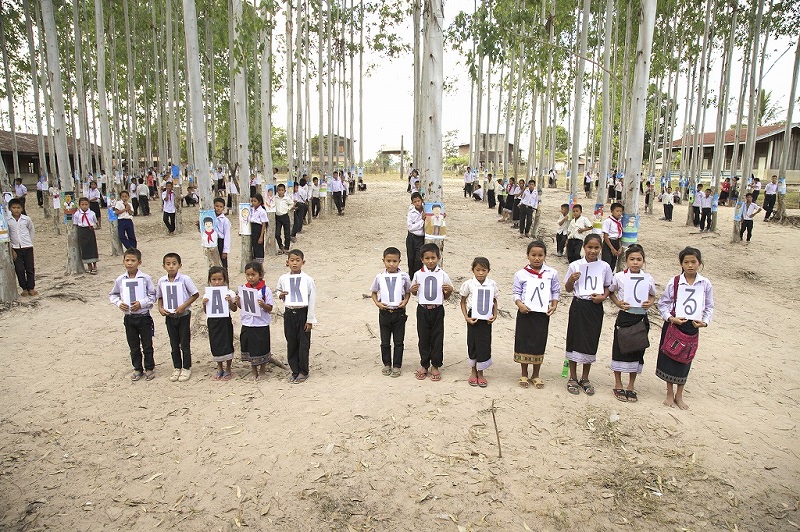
(494,150)
(769,147)
(28,153)
(343,150)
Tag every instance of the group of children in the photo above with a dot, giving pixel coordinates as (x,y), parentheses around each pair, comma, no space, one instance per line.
(134,293)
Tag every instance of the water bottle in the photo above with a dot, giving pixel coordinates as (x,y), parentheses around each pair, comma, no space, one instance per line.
(565,369)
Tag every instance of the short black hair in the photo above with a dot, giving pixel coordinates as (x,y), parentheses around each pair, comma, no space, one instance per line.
(634,248)
(297,253)
(748,195)
(433,248)
(392,251)
(479,261)
(592,236)
(171,255)
(255,266)
(218,269)
(416,195)
(565,205)
(208,219)
(14,201)
(132,251)
(578,206)
(219,200)
(259,197)
(281,185)
(617,205)
(536,244)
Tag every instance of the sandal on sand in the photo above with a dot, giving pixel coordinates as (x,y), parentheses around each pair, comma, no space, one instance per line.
(226,375)
(620,395)
(473,381)
(387,370)
(631,395)
(573,387)
(421,374)
(588,389)
(537,383)
(301,378)
(436,377)
(149,375)
(523,382)
(483,383)
(136,375)
(219,375)
(396,372)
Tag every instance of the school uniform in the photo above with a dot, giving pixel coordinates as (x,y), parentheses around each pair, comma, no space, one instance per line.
(748,212)
(705,216)
(21,234)
(85,222)
(415,221)
(697,206)
(629,362)
(667,201)
(169,210)
(127,236)
(468,184)
(490,187)
(41,187)
(618,189)
(220,335)
(315,201)
(299,199)
(223,238)
(531,329)
(430,326)
(283,205)
(770,195)
(258,217)
(501,198)
(756,190)
(143,191)
(613,228)
(336,192)
(667,369)
(295,317)
(479,334)
(134,198)
(575,238)
(392,320)
(21,193)
(345,188)
(179,325)
(139,327)
(585,317)
(562,229)
(93,195)
(515,205)
(527,206)
(254,338)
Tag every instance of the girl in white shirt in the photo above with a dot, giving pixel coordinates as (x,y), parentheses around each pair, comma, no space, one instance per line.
(255,336)
(85,222)
(479,331)
(220,330)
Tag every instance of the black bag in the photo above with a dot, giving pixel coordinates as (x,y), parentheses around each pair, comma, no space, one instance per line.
(632,339)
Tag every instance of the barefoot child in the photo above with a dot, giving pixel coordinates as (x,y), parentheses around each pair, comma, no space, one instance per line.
(479,329)
(255,338)
(430,316)
(136,287)
(220,330)
(588,279)
(174,303)
(299,293)
(85,223)
(633,310)
(390,293)
(536,291)
(668,369)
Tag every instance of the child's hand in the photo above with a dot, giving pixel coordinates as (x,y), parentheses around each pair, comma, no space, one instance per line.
(381,305)
(623,305)
(522,307)
(414,288)
(223,255)
(647,304)
(205,300)
(261,240)
(403,304)
(236,301)
(698,324)
(283,295)
(123,307)
(447,290)
(14,256)
(471,321)
(308,327)
(677,321)
(552,308)
(575,276)
(491,320)
(163,311)
(598,298)
(136,306)
(228,298)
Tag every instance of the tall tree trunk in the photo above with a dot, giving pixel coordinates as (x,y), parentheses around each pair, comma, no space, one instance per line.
(605,131)
(320,93)
(52,175)
(577,102)
(8,278)
(266,112)
(80,87)
(9,97)
(242,126)
(361,85)
(174,148)
(131,123)
(416,13)
(232,151)
(737,134)
(105,131)
(624,101)
(290,64)
(35,86)
(297,58)
(478,106)
(787,138)
(518,103)
(433,84)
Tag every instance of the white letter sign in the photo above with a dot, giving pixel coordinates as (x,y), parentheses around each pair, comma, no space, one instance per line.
(591,279)
(297,295)
(483,302)
(217,306)
(430,288)
(248,297)
(172,296)
(391,290)
(536,295)
(690,302)
(132,291)
(635,290)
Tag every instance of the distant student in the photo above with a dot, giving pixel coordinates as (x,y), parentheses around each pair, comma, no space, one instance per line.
(124,212)
(299,294)
(705,211)
(529,203)
(392,315)
(21,193)
(535,283)
(585,314)
(577,230)
(315,198)
(362,187)
(143,191)
(477,192)
(562,229)
(479,330)
(174,304)
(139,327)
(415,222)
(93,195)
(336,191)
(220,330)
(41,188)
(697,206)
(223,231)
(667,200)
(258,226)
(633,311)
(673,368)
(612,236)
(770,194)
(85,223)
(749,210)
(430,317)
(618,182)
(283,206)
(756,188)
(501,195)
(299,209)
(254,338)
(649,198)
(21,234)
(168,206)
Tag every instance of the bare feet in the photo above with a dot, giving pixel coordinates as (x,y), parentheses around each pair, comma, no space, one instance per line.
(679,402)
(670,402)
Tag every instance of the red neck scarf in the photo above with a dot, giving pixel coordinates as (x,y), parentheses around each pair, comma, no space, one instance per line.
(84,218)
(531,271)
(619,225)
(259,285)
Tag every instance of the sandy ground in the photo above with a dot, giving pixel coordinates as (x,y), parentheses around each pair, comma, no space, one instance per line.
(83,448)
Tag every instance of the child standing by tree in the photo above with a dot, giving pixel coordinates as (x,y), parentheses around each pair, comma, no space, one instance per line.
(299,294)
(223,231)
(612,233)
(220,330)
(124,212)
(588,279)
(390,293)
(577,230)
(479,327)
(562,229)
(85,222)
(258,226)
(175,294)
(21,233)
(134,294)
(680,330)
(254,338)
(430,317)
(633,311)
(536,290)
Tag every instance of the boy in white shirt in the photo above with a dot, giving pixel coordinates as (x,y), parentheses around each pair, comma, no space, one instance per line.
(21,233)
(705,209)
(578,228)
(168,205)
(561,231)
(298,291)
(667,200)
(612,233)
(178,317)
(749,210)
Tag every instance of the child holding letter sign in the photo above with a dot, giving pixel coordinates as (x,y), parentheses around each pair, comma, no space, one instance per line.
(432,285)
(479,306)
(536,291)
(687,304)
(390,293)
(218,303)
(588,279)
(299,293)
(134,294)
(255,300)
(175,293)
(633,291)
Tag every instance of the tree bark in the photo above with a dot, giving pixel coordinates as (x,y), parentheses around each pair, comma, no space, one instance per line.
(9,97)
(577,102)
(787,139)
(242,126)
(266,112)
(433,84)
(35,86)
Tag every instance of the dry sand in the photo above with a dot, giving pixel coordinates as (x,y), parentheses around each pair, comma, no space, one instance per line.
(83,448)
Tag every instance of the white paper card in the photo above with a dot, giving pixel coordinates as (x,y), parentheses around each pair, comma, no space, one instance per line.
(536,295)
(482,302)
(391,289)
(297,293)
(248,299)
(172,296)
(430,288)
(591,279)
(635,290)
(217,306)
(690,302)
(132,290)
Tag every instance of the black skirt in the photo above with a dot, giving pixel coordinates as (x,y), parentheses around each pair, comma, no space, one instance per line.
(87,241)
(626,319)
(669,370)
(255,344)
(515,209)
(220,336)
(584,326)
(255,234)
(479,340)
(94,206)
(530,333)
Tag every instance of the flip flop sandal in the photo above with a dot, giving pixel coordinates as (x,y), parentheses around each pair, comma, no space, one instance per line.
(473,381)
(436,377)
(620,395)
(573,387)
(136,375)
(588,389)
(537,383)
(300,379)
(631,395)
(226,376)
(149,375)
(523,382)
(387,370)
(421,375)
(218,375)
(396,372)
(483,383)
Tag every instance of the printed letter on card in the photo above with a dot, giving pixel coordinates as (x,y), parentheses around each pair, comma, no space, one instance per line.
(690,302)
(483,302)
(172,296)
(249,297)
(217,306)
(132,291)
(298,291)
(430,288)
(635,289)
(391,290)
(591,279)
(536,295)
